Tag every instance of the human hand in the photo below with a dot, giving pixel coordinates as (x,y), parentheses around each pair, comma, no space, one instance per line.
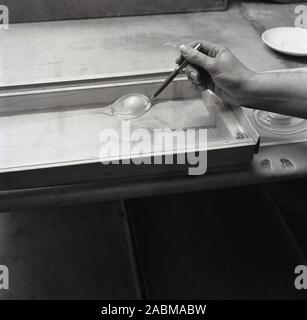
(218,63)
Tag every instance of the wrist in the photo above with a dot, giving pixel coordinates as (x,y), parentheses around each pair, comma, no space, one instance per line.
(250,89)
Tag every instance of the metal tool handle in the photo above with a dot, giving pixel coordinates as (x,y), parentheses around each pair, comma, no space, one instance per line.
(173,75)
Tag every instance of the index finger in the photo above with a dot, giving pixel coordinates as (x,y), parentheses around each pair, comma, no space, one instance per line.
(208,48)
(193,44)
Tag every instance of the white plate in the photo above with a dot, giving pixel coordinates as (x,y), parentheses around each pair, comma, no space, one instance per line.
(287,40)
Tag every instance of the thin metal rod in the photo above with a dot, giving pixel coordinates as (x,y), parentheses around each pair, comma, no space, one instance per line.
(172,76)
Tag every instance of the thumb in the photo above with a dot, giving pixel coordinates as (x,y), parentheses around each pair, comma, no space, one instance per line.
(197,58)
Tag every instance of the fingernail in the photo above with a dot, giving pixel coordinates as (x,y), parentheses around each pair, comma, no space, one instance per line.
(194,76)
(184,49)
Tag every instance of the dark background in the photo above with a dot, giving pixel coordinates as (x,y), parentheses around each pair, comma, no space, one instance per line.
(40,10)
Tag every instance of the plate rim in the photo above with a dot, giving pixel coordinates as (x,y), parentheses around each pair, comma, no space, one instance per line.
(293,53)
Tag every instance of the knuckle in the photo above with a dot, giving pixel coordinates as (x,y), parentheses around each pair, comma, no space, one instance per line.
(188,73)
(193,54)
(210,66)
(223,48)
(188,68)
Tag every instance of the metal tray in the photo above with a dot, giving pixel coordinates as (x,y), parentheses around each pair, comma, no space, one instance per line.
(49,133)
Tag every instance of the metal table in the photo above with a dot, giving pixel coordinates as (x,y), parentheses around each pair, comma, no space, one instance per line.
(39,52)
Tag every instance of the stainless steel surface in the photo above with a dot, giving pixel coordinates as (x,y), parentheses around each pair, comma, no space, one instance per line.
(99,92)
(66,50)
(39,10)
(55,135)
(269,165)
